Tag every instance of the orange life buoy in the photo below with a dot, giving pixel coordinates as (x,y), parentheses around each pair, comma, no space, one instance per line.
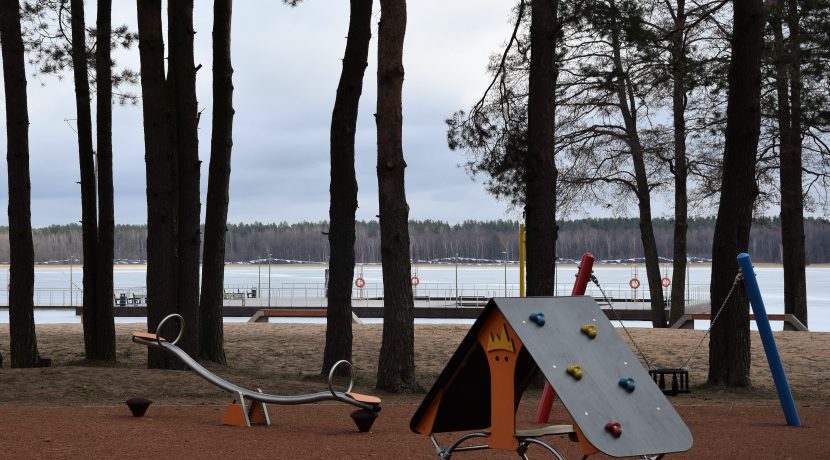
(666,282)
(415,281)
(360,282)
(634,283)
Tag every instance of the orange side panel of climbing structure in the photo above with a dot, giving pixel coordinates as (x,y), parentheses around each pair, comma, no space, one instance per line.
(502,347)
(425,424)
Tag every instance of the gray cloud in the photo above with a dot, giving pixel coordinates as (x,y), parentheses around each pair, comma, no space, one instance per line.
(287,63)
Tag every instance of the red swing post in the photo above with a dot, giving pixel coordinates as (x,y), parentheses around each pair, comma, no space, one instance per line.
(586,266)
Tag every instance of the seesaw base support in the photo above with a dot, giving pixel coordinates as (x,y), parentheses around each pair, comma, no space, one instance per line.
(239,413)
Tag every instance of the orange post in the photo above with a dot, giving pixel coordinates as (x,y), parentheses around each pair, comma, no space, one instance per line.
(502,346)
(586,266)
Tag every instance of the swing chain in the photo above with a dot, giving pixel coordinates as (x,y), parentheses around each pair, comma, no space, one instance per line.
(738,277)
(608,302)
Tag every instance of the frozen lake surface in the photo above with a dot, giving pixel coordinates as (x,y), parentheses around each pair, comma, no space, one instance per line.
(482,280)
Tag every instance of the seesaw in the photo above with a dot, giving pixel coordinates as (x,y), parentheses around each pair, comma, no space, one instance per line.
(613,405)
(242,413)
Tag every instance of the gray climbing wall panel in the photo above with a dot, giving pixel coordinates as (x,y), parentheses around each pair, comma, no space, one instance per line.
(649,423)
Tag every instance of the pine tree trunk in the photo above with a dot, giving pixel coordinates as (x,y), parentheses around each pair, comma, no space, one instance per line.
(23,343)
(655,289)
(162,199)
(540,204)
(104,345)
(396,364)
(343,189)
(788,83)
(626,101)
(182,89)
(219,174)
(89,213)
(729,357)
(681,223)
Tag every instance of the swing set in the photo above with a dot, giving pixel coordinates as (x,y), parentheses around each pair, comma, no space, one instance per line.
(674,381)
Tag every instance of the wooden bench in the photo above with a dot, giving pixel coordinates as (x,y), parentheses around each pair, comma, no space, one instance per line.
(234,296)
(137,299)
(262,315)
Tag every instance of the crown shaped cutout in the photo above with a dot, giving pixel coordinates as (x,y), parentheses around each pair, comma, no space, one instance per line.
(500,341)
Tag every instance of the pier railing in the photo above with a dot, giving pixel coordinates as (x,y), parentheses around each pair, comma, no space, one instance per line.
(314,295)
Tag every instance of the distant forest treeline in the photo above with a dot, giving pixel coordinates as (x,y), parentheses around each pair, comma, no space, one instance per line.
(611,238)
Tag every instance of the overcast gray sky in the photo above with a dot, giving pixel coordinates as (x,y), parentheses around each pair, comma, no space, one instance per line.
(287,63)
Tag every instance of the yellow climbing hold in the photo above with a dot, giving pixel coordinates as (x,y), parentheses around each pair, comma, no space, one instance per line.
(589,329)
(575,370)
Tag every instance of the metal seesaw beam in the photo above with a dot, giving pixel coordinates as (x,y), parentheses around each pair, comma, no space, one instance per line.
(155,341)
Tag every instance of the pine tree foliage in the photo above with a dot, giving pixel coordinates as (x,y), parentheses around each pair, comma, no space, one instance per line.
(47,26)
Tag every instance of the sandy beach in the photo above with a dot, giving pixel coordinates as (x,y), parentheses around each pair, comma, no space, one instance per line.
(285,359)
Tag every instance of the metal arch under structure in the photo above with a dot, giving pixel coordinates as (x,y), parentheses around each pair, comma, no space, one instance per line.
(243,414)
(445,453)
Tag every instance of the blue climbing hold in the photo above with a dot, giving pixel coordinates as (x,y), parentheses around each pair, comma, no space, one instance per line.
(628,384)
(538,319)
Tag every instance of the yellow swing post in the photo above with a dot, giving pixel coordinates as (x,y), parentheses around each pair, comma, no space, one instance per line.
(521,260)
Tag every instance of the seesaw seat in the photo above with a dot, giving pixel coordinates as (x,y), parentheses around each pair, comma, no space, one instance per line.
(146,336)
(374,400)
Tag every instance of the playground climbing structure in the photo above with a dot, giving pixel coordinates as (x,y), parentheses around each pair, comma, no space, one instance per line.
(614,405)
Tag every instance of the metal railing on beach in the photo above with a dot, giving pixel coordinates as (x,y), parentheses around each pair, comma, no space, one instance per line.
(314,295)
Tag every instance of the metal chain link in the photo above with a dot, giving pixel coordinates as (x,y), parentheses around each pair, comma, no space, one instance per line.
(738,278)
(608,302)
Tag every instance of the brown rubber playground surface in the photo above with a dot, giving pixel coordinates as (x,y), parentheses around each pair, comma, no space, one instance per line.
(75,410)
(327,432)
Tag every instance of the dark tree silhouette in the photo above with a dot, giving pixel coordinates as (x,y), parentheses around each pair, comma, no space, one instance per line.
(57,39)
(162,196)
(86,160)
(396,364)
(181,87)
(608,146)
(729,356)
(219,173)
(343,189)
(494,132)
(787,65)
(540,170)
(99,328)
(104,340)
(23,343)
(601,105)
(678,70)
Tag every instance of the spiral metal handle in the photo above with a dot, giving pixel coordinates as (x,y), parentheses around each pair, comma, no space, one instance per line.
(331,376)
(181,329)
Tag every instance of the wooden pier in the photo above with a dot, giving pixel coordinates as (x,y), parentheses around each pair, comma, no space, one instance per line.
(374,310)
(703,312)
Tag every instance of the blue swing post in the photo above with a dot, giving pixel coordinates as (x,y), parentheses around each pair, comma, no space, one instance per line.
(771,350)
